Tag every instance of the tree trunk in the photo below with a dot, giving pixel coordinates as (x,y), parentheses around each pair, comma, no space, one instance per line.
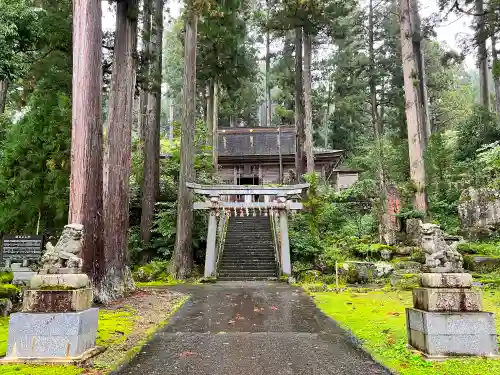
(300,168)
(86,182)
(215,127)
(412,106)
(143,95)
(4,87)
(308,40)
(117,158)
(182,263)
(152,130)
(268,69)
(210,115)
(385,232)
(496,78)
(417,51)
(482,55)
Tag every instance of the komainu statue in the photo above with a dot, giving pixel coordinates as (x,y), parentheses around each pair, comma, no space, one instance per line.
(439,256)
(67,253)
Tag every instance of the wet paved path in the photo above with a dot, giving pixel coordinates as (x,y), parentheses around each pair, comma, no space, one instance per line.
(250,329)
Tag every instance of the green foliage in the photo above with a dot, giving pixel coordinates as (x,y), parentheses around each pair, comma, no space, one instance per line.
(6,277)
(377,319)
(479,129)
(483,248)
(114,326)
(154,271)
(10,291)
(489,159)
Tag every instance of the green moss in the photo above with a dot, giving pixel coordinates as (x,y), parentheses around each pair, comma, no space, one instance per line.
(9,291)
(39,370)
(6,277)
(57,287)
(114,326)
(484,248)
(158,283)
(377,319)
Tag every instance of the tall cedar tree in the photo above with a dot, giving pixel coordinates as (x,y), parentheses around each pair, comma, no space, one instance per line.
(182,263)
(86,182)
(117,159)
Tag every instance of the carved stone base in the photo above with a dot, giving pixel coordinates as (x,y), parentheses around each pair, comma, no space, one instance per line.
(446,280)
(61,281)
(51,336)
(57,301)
(444,334)
(447,299)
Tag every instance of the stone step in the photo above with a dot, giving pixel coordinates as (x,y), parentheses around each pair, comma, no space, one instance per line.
(254,273)
(247,262)
(246,278)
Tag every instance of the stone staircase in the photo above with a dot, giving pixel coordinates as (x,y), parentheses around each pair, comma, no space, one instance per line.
(248,251)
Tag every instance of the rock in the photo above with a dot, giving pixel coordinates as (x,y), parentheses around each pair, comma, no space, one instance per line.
(479,211)
(386,254)
(403,250)
(5,306)
(383,269)
(359,272)
(446,280)
(409,266)
(405,281)
(482,263)
(60,281)
(413,231)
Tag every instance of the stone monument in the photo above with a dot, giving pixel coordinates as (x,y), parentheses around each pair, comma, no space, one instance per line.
(447,318)
(57,323)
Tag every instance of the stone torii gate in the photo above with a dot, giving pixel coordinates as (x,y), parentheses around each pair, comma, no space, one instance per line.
(277,203)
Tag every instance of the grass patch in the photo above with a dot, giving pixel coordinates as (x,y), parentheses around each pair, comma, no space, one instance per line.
(377,319)
(115,328)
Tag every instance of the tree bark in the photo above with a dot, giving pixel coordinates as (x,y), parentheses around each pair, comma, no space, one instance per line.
(152,130)
(412,106)
(385,233)
(417,51)
(117,158)
(4,87)
(308,41)
(482,55)
(182,263)
(86,181)
(268,69)
(300,168)
(143,95)
(496,78)
(215,127)
(210,115)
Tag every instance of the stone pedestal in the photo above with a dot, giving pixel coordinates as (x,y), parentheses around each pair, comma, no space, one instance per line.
(57,323)
(447,318)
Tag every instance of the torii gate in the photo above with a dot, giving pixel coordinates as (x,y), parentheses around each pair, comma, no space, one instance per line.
(277,203)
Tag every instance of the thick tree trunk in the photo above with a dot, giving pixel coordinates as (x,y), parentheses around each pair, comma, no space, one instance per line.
(308,40)
(86,182)
(152,130)
(143,95)
(417,51)
(412,106)
(215,127)
(496,78)
(4,87)
(117,158)
(268,69)
(300,168)
(182,263)
(482,55)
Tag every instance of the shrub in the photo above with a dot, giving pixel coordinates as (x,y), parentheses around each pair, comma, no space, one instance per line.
(9,291)
(154,271)
(6,277)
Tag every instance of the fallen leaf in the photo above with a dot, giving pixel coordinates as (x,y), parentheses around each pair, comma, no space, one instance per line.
(274,308)
(187,354)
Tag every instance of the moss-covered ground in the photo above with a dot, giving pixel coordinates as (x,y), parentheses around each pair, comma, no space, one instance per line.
(377,318)
(115,327)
